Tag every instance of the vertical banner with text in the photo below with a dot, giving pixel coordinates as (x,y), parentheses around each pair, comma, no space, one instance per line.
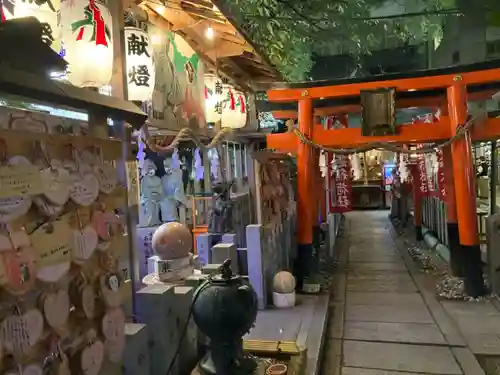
(440,174)
(343,184)
(422,184)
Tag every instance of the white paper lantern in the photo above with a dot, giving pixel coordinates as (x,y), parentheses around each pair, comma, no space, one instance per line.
(139,62)
(235,114)
(46,13)
(214,92)
(356,166)
(87,38)
(234,111)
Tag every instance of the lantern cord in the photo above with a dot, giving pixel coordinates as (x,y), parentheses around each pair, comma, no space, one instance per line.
(461,131)
(185,134)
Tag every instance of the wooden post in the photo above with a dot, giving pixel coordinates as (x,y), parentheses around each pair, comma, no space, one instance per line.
(465,192)
(417,203)
(451,214)
(119,90)
(304,182)
(238,167)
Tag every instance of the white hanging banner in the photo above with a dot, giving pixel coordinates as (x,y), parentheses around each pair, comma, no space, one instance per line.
(87,38)
(139,62)
(224,103)
(44,11)
(213,95)
(234,113)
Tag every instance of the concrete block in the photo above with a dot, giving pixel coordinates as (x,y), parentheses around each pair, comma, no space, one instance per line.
(211,268)
(136,356)
(155,304)
(203,245)
(153,264)
(229,238)
(189,345)
(223,251)
(242,261)
(194,280)
(255,266)
(145,250)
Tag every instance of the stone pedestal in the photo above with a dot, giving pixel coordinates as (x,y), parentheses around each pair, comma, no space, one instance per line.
(168,271)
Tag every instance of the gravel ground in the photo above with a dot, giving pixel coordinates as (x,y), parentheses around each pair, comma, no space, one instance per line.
(448,287)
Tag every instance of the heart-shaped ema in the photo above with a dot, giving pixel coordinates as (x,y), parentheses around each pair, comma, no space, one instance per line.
(114,350)
(84,189)
(33,369)
(13,208)
(19,333)
(56,308)
(20,270)
(108,179)
(91,358)
(56,364)
(113,324)
(47,208)
(84,244)
(82,295)
(56,183)
(113,330)
(106,224)
(110,289)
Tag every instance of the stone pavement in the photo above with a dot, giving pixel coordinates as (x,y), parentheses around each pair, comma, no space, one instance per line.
(384,322)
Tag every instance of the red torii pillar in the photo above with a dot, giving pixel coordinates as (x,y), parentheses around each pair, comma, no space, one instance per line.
(305,176)
(464,178)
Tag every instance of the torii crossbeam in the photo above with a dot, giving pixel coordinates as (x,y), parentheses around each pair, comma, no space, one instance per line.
(446,89)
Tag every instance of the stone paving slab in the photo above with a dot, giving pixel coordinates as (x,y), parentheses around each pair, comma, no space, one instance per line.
(409,333)
(483,344)
(389,276)
(380,286)
(364,371)
(385,299)
(389,314)
(375,266)
(368,258)
(400,357)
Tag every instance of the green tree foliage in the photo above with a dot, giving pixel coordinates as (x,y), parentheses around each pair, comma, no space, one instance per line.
(290,31)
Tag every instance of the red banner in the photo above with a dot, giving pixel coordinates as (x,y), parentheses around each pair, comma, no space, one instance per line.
(440,174)
(343,185)
(422,184)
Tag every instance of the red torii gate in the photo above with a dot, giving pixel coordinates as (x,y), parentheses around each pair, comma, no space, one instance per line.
(461,203)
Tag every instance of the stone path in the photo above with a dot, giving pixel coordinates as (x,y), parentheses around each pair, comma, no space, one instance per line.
(381,323)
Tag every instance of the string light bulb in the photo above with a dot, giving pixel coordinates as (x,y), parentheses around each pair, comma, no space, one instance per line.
(209,33)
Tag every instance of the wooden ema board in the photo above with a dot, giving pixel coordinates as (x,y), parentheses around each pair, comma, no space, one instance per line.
(60,287)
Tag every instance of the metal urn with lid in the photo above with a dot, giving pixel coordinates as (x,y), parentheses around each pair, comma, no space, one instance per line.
(225,308)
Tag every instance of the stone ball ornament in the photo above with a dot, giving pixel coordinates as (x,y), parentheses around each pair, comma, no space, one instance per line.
(172,241)
(284,282)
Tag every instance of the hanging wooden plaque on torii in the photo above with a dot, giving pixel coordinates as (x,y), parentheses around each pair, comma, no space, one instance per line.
(378,112)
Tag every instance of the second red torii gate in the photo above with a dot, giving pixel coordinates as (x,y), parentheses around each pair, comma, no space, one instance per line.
(461,205)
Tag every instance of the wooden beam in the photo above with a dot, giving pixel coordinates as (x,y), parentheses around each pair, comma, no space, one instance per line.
(160,22)
(486,130)
(431,102)
(406,84)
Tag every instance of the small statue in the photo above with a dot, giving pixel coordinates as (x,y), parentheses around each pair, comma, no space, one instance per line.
(221,216)
(151,195)
(173,190)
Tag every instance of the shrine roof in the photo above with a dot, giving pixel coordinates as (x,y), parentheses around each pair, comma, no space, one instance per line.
(230,52)
(458,69)
(42,88)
